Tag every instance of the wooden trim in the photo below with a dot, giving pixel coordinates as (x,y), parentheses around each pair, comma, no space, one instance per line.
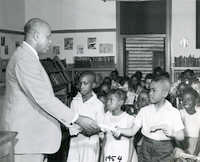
(168,56)
(63,31)
(83,30)
(143,35)
(133,0)
(184,68)
(11,31)
(119,56)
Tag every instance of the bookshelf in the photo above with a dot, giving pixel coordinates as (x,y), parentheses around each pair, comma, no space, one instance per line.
(56,71)
(176,71)
(102,64)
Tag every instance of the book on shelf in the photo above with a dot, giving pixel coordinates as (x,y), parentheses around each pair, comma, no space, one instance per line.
(57,72)
(189,61)
(94,62)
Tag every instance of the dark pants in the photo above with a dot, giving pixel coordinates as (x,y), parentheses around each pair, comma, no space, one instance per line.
(157,151)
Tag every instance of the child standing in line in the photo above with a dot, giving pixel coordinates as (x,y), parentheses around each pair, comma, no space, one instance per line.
(190,114)
(160,123)
(117,149)
(84,148)
(143,100)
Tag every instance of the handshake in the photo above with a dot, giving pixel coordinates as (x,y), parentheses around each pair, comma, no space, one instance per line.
(115,130)
(89,127)
(84,125)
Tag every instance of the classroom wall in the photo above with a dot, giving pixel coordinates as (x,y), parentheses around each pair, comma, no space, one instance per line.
(12,14)
(73,14)
(184,26)
(76,16)
(79,14)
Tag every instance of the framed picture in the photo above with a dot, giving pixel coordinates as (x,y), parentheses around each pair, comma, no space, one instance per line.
(6,50)
(2,40)
(56,50)
(80,49)
(105,48)
(68,43)
(92,43)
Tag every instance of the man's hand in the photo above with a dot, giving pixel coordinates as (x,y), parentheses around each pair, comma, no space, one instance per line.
(89,126)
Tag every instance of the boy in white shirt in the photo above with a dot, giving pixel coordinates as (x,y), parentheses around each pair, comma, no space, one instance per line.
(160,123)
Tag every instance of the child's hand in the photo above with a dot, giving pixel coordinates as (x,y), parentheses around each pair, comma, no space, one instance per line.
(162,127)
(167,131)
(116,133)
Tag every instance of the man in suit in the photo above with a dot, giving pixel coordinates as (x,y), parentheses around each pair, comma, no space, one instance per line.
(31,109)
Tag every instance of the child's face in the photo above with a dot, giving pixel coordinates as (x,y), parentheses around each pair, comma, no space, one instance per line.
(113,103)
(143,100)
(156,93)
(125,86)
(86,85)
(148,83)
(189,102)
(105,88)
(181,87)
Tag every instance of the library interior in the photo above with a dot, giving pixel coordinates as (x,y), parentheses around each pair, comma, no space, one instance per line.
(127,44)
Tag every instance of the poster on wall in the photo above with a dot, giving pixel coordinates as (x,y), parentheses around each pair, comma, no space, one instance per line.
(6,50)
(2,40)
(92,43)
(56,50)
(80,49)
(105,48)
(68,43)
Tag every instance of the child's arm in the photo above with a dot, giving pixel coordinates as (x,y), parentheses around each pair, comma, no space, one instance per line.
(178,135)
(131,150)
(128,132)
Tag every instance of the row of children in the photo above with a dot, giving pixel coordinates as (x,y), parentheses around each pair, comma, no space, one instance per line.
(162,125)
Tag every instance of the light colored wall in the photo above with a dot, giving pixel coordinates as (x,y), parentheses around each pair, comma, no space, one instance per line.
(73,14)
(80,39)
(184,26)
(10,41)
(94,14)
(76,15)
(12,14)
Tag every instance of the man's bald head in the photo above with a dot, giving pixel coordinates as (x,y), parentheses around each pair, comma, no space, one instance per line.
(37,34)
(34,24)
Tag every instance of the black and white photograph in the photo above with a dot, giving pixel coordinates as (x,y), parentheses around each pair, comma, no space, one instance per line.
(3,40)
(92,42)
(105,48)
(6,50)
(100,81)
(80,49)
(68,43)
(56,50)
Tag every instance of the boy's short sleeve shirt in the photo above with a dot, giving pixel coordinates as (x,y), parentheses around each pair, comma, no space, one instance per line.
(149,117)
